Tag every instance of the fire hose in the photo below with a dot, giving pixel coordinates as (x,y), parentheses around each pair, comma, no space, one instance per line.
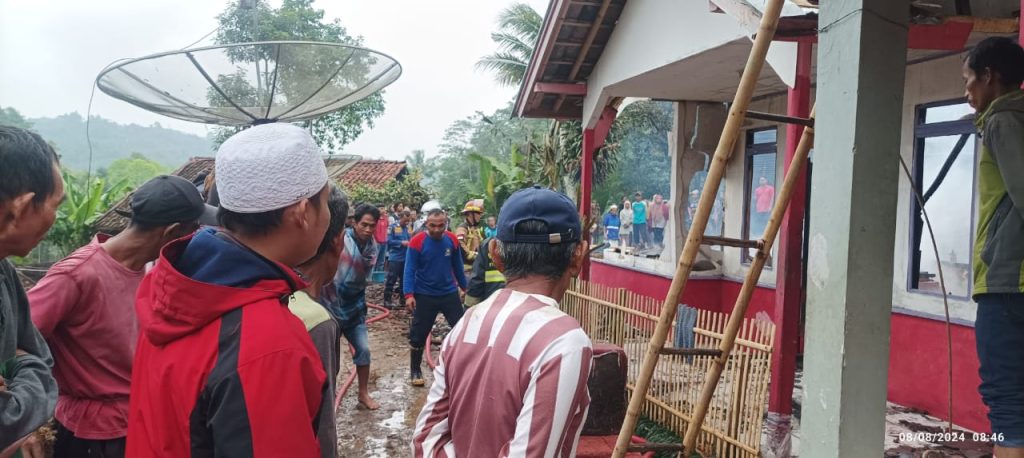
(352,375)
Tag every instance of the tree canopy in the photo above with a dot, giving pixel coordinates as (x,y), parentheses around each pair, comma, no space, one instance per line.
(293,20)
(133,170)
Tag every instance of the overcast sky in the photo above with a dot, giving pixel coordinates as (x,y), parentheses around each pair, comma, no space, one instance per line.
(51,50)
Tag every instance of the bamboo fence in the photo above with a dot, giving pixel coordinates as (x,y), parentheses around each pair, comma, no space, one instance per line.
(732,428)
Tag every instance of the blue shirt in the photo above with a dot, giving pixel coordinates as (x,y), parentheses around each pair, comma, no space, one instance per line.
(611,222)
(396,235)
(349,305)
(432,267)
(639,212)
(490,233)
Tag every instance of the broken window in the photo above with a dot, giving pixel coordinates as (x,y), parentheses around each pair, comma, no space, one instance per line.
(944,172)
(759,185)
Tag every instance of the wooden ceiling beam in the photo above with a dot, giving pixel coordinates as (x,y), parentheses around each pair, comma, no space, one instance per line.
(585,49)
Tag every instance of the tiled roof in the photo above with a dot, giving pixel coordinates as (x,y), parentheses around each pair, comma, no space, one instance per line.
(345,169)
(373,173)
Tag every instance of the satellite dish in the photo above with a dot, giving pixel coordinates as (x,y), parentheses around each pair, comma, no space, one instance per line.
(251,83)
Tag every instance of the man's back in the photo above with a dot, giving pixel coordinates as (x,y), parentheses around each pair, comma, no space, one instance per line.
(85,308)
(512,381)
(223,368)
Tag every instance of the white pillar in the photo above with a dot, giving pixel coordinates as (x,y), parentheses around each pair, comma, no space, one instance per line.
(861,66)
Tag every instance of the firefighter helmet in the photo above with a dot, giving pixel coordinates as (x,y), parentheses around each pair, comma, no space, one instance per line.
(473,205)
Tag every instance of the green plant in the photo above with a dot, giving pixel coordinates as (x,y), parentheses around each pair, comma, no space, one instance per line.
(657,434)
(84,201)
(407,190)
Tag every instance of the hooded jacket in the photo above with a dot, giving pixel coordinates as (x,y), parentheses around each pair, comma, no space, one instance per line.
(999,243)
(222,368)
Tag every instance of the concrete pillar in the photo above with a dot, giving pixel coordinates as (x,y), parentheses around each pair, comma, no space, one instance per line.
(861,66)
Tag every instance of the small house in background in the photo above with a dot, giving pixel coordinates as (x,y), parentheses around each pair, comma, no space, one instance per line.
(348,170)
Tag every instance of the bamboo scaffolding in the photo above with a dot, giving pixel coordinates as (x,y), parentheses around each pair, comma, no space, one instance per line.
(726,145)
(750,282)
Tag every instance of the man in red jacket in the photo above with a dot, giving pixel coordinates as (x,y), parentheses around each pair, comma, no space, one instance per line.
(222,367)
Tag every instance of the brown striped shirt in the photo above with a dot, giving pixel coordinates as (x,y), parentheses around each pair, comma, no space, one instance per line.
(511,381)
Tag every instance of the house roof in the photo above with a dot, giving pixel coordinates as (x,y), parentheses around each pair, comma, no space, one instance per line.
(552,89)
(373,173)
(344,169)
(571,41)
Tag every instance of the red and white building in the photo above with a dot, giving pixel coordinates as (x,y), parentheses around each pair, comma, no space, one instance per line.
(594,54)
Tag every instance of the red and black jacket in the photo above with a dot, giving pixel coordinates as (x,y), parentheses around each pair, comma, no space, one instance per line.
(222,367)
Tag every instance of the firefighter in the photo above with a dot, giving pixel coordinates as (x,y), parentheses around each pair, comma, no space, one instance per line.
(470,233)
(485,279)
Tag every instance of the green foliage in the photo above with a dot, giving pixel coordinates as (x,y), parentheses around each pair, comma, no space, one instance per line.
(84,202)
(133,170)
(407,190)
(293,20)
(112,141)
(455,177)
(11,117)
(498,179)
(518,28)
(639,141)
(657,434)
(416,160)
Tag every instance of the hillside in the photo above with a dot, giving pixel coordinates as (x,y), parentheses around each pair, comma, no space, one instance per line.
(112,141)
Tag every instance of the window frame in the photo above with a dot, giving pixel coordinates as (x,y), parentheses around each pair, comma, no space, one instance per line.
(922,131)
(751,149)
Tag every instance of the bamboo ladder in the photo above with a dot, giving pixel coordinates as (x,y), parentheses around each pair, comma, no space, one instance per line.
(737,113)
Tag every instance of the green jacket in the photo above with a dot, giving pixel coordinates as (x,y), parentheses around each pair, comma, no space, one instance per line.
(999,243)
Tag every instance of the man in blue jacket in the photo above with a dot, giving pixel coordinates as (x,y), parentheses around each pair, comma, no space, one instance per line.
(399,234)
(434,282)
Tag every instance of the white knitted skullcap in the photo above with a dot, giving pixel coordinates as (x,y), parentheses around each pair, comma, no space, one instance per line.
(268,167)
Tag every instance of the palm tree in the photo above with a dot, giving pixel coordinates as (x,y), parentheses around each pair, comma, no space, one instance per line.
(518,28)
(416,159)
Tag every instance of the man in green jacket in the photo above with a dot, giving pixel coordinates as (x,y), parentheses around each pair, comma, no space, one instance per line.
(993,73)
(31,189)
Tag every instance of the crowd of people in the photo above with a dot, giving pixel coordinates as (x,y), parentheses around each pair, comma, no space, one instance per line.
(639,224)
(182,336)
(186,336)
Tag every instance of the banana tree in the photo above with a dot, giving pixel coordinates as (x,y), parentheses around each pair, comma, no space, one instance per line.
(84,202)
(498,179)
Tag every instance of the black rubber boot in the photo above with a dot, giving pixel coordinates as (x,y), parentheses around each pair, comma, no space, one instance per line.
(415,361)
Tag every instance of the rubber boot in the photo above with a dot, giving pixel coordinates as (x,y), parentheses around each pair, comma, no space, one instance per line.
(415,360)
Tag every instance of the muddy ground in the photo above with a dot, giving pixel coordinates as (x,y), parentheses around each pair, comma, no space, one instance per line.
(385,432)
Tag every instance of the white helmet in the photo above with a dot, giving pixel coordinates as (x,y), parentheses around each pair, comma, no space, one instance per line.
(430,205)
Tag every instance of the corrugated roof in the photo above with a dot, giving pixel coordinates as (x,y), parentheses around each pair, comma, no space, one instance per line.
(345,169)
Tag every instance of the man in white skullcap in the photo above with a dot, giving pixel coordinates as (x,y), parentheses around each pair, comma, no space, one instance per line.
(222,366)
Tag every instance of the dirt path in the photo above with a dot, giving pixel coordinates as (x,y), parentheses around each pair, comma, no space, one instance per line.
(385,432)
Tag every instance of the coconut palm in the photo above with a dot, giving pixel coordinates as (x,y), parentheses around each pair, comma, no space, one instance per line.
(518,28)
(416,159)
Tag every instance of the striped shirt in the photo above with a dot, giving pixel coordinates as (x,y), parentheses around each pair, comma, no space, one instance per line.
(511,381)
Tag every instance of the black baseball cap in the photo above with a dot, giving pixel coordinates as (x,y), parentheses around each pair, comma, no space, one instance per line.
(539,204)
(166,199)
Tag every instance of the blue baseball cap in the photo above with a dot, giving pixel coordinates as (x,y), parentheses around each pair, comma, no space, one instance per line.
(539,204)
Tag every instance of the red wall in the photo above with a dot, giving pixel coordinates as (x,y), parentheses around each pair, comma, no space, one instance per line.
(917,355)
(700,293)
(918,370)
(716,294)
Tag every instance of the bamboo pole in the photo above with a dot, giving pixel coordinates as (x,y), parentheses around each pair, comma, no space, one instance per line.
(749,283)
(726,144)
